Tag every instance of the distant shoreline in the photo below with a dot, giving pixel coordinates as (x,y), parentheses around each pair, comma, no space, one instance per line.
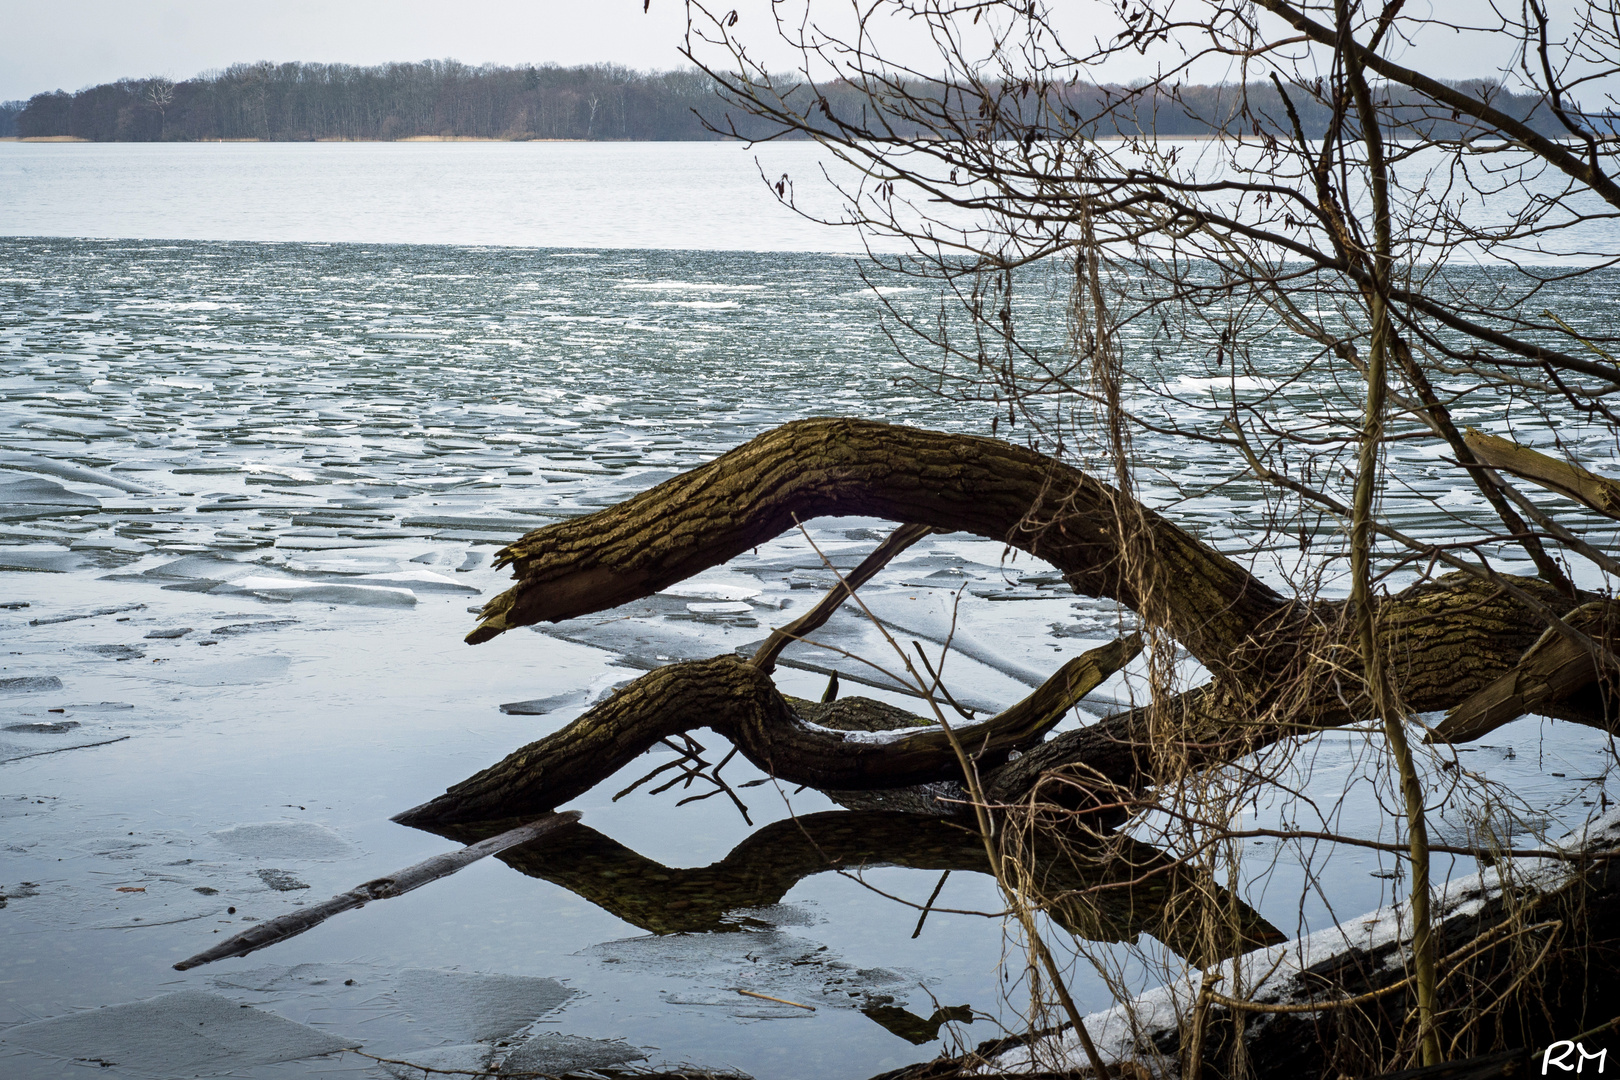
(328,139)
(1192,137)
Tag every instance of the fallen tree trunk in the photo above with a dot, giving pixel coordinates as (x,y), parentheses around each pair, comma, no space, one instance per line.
(816,468)
(1555,677)
(1279,669)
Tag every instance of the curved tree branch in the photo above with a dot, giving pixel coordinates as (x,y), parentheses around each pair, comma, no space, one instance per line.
(737,700)
(840,467)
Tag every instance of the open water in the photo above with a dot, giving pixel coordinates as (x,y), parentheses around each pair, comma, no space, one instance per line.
(249,491)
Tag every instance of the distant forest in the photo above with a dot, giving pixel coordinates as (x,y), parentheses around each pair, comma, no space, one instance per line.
(437,98)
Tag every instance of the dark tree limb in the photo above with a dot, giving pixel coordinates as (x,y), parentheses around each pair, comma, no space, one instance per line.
(1280,669)
(814,619)
(737,700)
(1445,640)
(818,468)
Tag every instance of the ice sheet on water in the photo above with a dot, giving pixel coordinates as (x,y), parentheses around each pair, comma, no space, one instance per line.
(474,1006)
(553,1052)
(324,592)
(281,880)
(542,706)
(35,496)
(189,1033)
(276,977)
(257,626)
(68,471)
(416,581)
(709,969)
(647,644)
(46,560)
(49,620)
(117,652)
(248,669)
(202,568)
(59,727)
(285,840)
(716,586)
(343,565)
(29,684)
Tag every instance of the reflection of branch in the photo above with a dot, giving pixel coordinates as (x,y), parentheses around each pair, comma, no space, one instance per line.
(692,752)
(1108,890)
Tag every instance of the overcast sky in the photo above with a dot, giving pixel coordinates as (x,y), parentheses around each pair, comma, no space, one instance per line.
(71,44)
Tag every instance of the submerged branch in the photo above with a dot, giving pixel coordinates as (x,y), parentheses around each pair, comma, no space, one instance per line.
(384,888)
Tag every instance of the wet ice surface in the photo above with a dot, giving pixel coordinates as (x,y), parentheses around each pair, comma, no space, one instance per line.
(248,494)
(185,1033)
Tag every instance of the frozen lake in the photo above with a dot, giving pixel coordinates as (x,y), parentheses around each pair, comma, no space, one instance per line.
(674,195)
(248,494)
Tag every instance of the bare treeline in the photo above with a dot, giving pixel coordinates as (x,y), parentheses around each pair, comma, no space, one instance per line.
(297,102)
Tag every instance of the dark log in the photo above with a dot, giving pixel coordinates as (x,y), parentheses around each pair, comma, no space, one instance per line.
(1445,640)
(1110,888)
(735,699)
(1280,669)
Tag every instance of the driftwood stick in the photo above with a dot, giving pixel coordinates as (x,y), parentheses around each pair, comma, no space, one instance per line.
(414,877)
(816,617)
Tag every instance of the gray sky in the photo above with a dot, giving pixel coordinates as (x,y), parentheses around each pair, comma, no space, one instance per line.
(71,44)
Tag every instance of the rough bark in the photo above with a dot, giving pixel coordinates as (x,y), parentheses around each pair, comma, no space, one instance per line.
(818,468)
(737,700)
(1556,677)
(1444,640)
